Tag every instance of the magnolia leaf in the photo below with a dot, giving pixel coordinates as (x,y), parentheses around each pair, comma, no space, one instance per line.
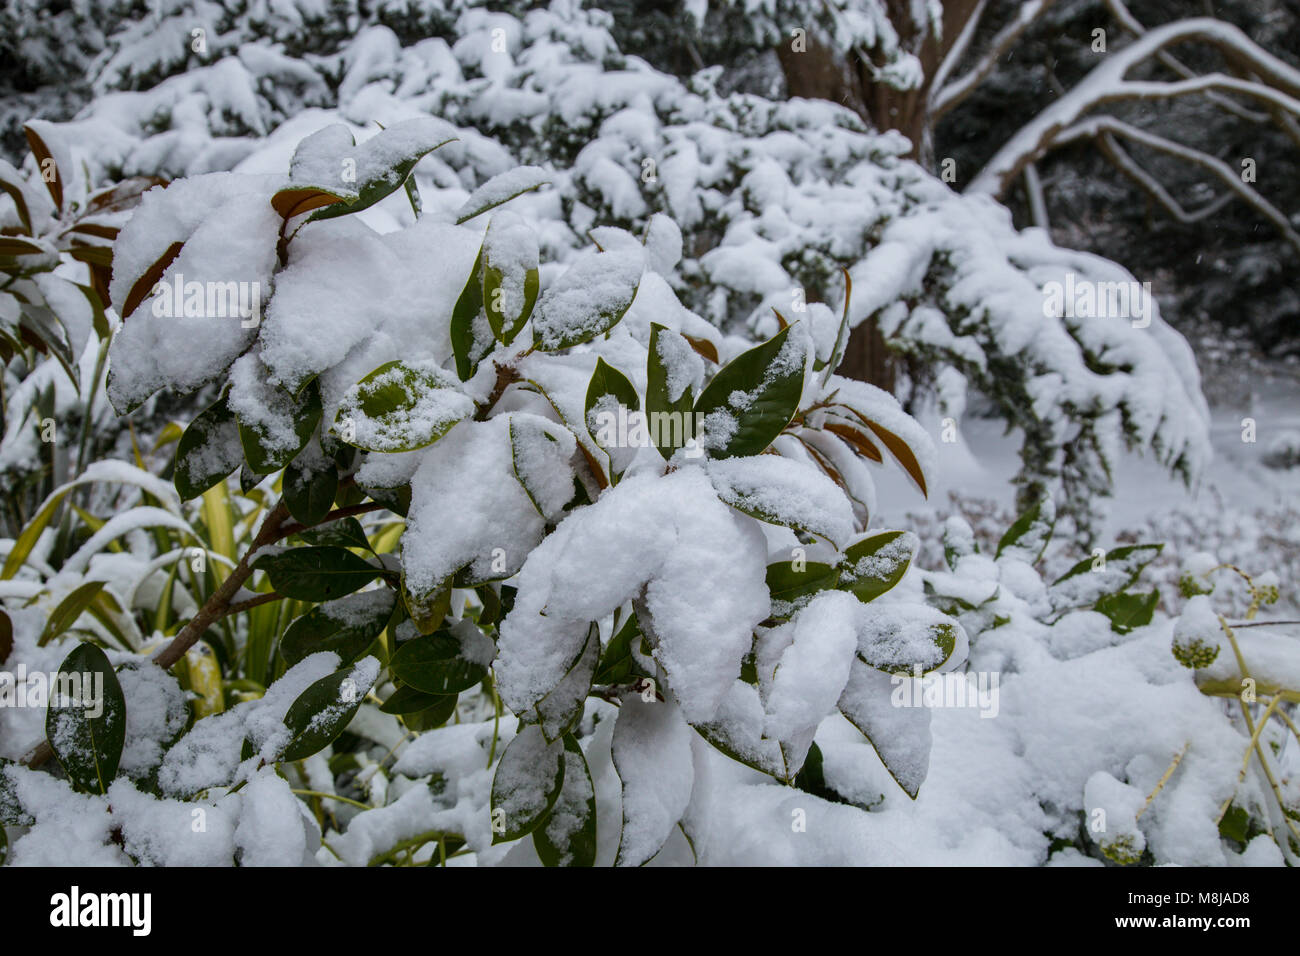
(400,407)
(567,837)
(324,710)
(527,784)
(85,722)
(752,398)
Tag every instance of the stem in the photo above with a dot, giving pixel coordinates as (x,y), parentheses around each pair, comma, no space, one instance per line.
(216,607)
(496,721)
(332,796)
(335,515)
(1164,780)
(252,603)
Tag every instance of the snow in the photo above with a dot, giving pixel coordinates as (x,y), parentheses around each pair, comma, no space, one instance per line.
(1075,718)
(458,519)
(652,753)
(666,535)
(581,302)
(229,233)
(789,492)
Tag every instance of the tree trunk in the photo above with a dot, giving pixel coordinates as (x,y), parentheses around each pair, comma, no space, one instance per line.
(821,72)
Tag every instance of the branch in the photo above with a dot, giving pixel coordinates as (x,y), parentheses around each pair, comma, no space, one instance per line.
(216,607)
(1279,85)
(1037,201)
(945,99)
(956,51)
(1131,23)
(1145,181)
(1098,125)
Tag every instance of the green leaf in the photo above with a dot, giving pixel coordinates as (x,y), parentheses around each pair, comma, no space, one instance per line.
(508,281)
(752,398)
(617,663)
(1127,561)
(401,407)
(559,711)
(69,609)
(790,588)
(347,627)
(380,166)
(1127,610)
(209,450)
(316,574)
(501,189)
(659,404)
(11,809)
(265,459)
(448,661)
(343,533)
(527,784)
(408,700)
(588,300)
(309,490)
(430,718)
(875,564)
(324,710)
(568,835)
(85,722)
(1029,534)
(471,336)
(606,380)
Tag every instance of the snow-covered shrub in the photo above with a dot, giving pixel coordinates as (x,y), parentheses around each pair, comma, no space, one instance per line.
(619,523)
(55,262)
(1094,646)
(773,200)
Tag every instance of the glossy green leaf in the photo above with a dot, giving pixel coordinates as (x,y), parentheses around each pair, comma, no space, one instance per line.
(448,661)
(527,784)
(752,398)
(85,722)
(347,627)
(677,422)
(265,458)
(568,835)
(400,407)
(324,710)
(1128,611)
(316,574)
(208,451)
(309,491)
(875,564)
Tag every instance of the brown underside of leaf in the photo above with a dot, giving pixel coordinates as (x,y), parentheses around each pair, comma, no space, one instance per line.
(144,285)
(294,202)
(703,346)
(859,441)
(42,153)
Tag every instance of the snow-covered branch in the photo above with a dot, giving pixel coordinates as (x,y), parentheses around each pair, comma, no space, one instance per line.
(946,97)
(1099,126)
(1278,84)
